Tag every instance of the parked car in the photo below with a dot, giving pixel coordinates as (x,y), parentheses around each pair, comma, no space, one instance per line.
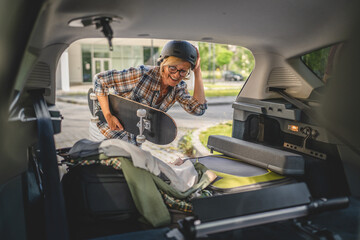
(287,120)
(232,76)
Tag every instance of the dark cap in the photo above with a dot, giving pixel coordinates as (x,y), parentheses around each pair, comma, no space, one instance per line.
(179,49)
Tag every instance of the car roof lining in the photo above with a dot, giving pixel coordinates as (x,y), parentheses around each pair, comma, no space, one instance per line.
(276,29)
(281,27)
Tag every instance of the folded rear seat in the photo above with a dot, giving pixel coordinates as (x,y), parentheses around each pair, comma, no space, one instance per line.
(247,166)
(252,173)
(279,161)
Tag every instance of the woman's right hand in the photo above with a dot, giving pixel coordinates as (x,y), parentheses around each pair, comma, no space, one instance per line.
(114,123)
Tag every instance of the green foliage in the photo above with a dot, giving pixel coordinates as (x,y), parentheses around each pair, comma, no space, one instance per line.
(223,56)
(317,61)
(227,57)
(221,85)
(224,129)
(204,55)
(219,92)
(244,61)
(185,144)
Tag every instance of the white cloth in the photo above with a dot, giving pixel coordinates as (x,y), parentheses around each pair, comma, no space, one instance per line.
(182,177)
(140,158)
(94,132)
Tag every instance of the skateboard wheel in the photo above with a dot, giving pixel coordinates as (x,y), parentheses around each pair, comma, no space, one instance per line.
(141,112)
(140,138)
(93,96)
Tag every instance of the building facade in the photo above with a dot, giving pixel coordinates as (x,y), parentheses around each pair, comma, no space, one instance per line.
(84,58)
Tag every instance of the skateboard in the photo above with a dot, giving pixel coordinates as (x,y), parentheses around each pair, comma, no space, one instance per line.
(146,122)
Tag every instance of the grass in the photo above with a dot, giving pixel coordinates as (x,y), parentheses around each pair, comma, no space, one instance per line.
(219,92)
(221,85)
(224,129)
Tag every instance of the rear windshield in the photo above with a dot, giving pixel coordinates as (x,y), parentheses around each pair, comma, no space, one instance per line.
(321,62)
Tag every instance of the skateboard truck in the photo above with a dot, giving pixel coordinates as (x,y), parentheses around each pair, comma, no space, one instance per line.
(94,118)
(310,134)
(156,126)
(142,125)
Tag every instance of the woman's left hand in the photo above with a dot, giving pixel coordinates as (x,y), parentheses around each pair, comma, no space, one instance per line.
(197,65)
(199,92)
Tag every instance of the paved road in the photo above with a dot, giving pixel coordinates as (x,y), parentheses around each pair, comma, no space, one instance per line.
(213,115)
(74,125)
(76,120)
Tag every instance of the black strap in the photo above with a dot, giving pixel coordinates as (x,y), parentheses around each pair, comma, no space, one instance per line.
(55,217)
(261,129)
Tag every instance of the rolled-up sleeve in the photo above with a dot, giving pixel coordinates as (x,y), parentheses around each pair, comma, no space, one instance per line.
(102,82)
(187,102)
(120,81)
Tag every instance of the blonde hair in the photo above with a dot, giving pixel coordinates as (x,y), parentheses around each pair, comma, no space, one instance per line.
(171,60)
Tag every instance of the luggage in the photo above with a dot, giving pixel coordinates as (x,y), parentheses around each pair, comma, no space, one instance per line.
(101,192)
(98,201)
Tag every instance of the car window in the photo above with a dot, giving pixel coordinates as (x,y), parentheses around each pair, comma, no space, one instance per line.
(321,62)
(219,62)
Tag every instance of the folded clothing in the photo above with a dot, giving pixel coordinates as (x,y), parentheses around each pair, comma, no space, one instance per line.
(182,177)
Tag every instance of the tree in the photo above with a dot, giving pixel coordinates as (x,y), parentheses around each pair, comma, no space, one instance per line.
(204,55)
(317,61)
(227,57)
(223,56)
(245,61)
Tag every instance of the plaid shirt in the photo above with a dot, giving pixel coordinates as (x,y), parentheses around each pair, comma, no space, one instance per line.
(177,204)
(142,85)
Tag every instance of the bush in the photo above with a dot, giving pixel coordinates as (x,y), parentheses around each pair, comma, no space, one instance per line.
(185,144)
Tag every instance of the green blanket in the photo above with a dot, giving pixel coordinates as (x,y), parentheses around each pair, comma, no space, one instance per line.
(144,190)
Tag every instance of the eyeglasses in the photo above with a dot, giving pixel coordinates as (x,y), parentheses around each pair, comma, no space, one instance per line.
(183,73)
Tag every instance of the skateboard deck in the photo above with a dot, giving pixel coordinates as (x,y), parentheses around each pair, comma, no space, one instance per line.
(163,129)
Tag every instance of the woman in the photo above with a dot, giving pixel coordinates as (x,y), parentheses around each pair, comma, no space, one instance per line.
(159,87)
